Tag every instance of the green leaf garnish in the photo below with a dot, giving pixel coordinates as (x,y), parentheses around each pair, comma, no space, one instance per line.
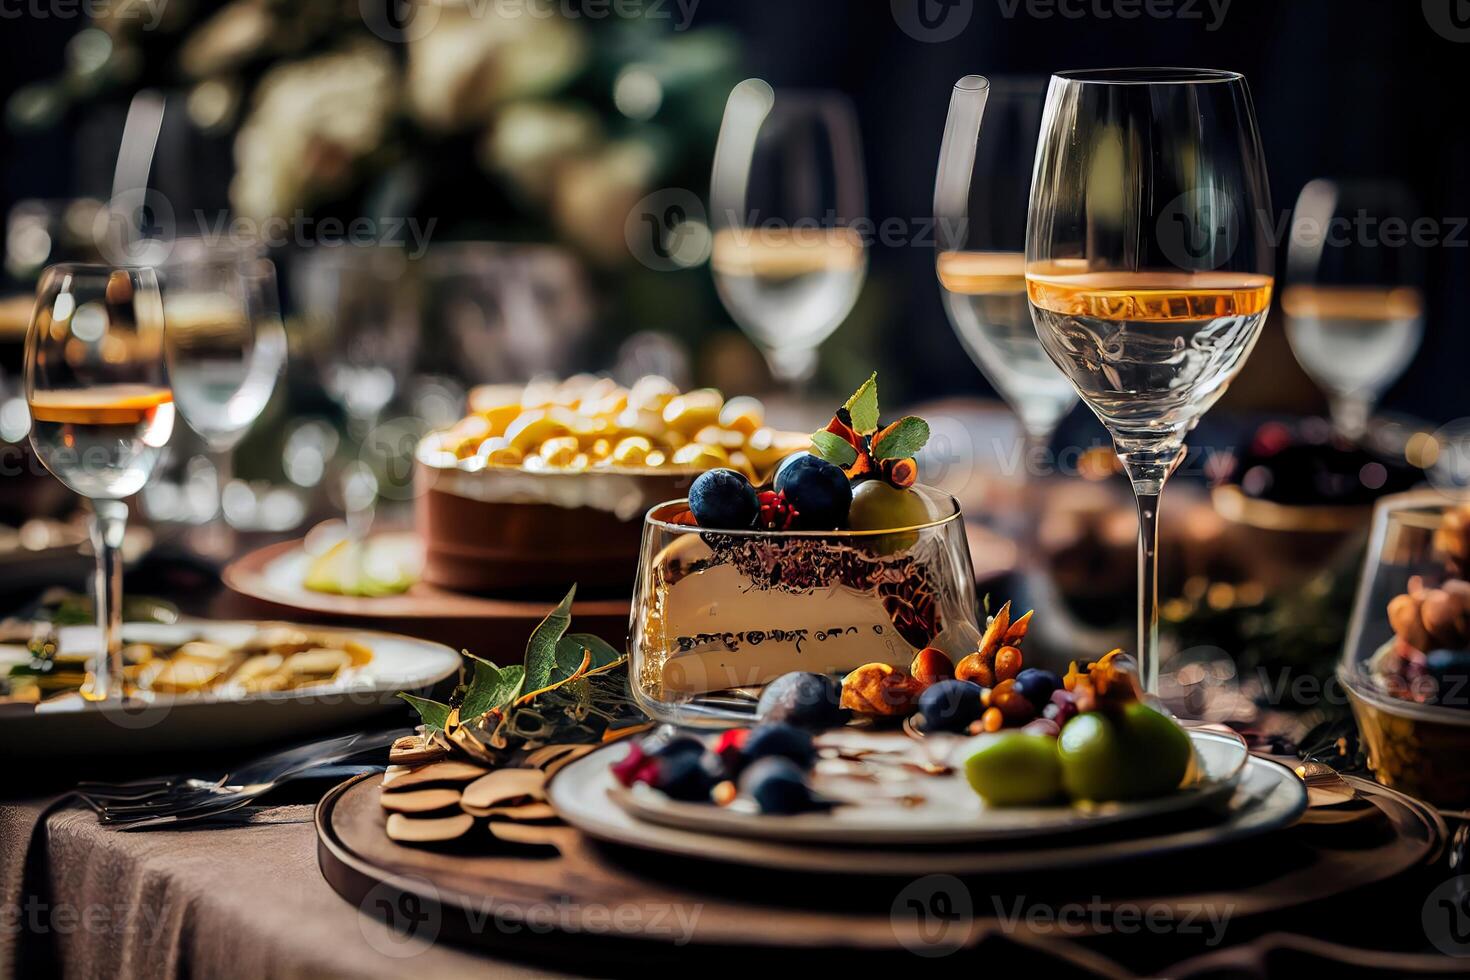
(863,407)
(490,688)
(434,715)
(834,449)
(541,648)
(604,654)
(902,439)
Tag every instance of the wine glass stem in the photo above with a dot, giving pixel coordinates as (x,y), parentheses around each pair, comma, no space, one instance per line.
(1148,589)
(105,679)
(1350,414)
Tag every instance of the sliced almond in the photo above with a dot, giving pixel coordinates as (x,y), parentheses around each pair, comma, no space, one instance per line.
(449,771)
(502,786)
(420,800)
(412,749)
(539,758)
(526,811)
(524,833)
(419,830)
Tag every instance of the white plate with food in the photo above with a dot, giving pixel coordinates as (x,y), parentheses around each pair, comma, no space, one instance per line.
(206,684)
(1266,797)
(895,790)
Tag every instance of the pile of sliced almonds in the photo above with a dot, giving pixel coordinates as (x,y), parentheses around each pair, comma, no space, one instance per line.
(432,798)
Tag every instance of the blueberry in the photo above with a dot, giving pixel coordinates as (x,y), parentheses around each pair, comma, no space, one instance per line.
(778,786)
(804,699)
(1451,670)
(723,499)
(1037,685)
(668,743)
(819,491)
(785,741)
(949,706)
(686,776)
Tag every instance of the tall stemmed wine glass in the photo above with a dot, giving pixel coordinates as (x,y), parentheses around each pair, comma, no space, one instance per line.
(786,197)
(101,412)
(1148,267)
(1354,302)
(226,347)
(980,196)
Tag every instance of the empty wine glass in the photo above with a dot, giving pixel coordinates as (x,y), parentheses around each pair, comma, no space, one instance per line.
(362,314)
(1353,300)
(226,347)
(980,195)
(786,194)
(1148,270)
(101,411)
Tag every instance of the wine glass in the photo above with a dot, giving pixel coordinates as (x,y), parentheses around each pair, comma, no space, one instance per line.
(1148,267)
(1354,305)
(101,411)
(362,314)
(980,195)
(786,193)
(226,346)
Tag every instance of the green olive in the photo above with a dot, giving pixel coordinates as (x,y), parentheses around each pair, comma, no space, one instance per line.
(1016,769)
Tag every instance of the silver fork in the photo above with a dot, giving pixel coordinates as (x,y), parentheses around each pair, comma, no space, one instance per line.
(179,799)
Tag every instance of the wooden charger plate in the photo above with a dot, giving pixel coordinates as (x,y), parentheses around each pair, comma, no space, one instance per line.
(493,628)
(475,894)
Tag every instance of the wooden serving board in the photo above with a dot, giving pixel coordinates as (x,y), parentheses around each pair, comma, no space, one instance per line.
(471,893)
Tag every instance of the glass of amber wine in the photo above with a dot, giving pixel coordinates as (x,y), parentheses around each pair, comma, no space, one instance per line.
(1148,269)
(101,413)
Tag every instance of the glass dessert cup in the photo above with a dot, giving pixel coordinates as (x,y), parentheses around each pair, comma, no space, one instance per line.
(718,614)
(1416,729)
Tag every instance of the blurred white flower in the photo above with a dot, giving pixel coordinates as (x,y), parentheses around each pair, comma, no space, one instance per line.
(481,53)
(311,123)
(593,195)
(527,141)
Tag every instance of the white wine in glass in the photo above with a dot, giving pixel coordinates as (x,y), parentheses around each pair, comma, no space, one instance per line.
(1148,266)
(786,191)
(980,193)
(1354,305)
(101,412)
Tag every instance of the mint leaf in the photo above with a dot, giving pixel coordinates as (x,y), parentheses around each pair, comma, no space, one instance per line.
(863,406)
(834,449)
(433,714)
(541,648)
(604,654)
(491,687)
(902,439)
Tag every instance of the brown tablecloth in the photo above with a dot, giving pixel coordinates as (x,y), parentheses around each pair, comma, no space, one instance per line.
(247,902)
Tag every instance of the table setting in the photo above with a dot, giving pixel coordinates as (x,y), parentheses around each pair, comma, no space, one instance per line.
(503,491)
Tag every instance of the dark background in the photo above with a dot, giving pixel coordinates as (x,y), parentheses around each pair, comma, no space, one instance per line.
(1343,88)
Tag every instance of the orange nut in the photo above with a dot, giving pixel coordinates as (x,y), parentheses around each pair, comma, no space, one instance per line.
(931,664)
(977,668)
(880,689)
(1007,663)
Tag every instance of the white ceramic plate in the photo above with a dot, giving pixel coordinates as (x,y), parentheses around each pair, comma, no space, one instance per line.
(918,808)
(223,717)
(1266,797)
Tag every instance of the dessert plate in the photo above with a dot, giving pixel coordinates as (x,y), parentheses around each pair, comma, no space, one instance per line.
(1267,797)
(272,578)
(219,718)
(890,801)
